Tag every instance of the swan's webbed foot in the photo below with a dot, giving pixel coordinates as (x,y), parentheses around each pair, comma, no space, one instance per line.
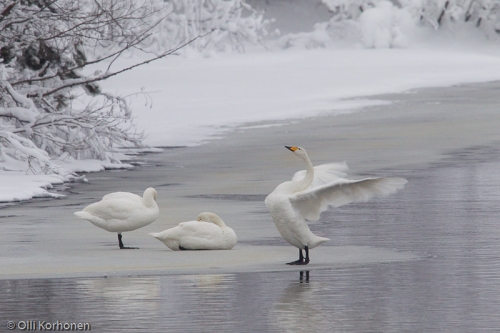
(298,262)
(302,260)
(120,244)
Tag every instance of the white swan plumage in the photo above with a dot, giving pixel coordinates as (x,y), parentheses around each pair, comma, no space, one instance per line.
(122,211)
(208,232)
(313,191)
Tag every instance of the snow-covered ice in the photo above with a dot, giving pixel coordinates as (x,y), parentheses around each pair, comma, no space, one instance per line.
(193,99)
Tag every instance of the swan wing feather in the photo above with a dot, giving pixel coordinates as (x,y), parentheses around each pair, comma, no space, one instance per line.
(121,195)
(118,209)
(193,235)
(312,201)
(324,173)
(198,229)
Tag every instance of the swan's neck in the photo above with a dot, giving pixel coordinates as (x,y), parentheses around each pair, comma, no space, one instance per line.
(308,178)
(217,220)
(149,198)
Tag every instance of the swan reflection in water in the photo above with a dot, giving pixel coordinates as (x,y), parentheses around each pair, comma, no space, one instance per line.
(121,296)
(304,277)
(298,310)
(205,282)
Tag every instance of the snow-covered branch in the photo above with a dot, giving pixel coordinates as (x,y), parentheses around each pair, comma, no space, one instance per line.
(393,23)
(48,108)
(227,25)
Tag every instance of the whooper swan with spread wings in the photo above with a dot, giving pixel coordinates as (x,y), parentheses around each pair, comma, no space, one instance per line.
(311,192)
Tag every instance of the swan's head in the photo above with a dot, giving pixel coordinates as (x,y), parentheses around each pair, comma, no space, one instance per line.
(299,151)
(150,193)
(209,217)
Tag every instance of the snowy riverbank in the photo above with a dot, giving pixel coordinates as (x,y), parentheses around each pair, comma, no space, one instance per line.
(189,100)
(194,100)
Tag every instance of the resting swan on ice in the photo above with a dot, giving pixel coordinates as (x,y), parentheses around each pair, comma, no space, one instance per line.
(122,211)
(311,192)
(208,232)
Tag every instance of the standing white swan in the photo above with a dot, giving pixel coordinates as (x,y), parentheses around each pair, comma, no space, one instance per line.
(311,192)
(208,232)
(122,211)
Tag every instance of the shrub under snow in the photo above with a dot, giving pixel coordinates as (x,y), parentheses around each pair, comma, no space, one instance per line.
(392,24)
(50,110)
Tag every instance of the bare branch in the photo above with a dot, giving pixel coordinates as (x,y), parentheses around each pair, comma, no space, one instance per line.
(106,76)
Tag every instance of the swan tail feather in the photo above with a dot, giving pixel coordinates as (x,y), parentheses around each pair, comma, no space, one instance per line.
(83,215)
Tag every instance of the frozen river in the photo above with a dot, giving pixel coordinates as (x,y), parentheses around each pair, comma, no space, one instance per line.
(424,260)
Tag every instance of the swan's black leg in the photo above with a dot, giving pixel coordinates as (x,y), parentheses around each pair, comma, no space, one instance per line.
(301,260)
(120,243)
(306,261)
(297,262)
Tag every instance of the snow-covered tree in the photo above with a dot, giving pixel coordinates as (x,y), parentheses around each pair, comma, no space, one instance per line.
(387,23)
(226,25)
(433,12)
(482,14)
(48,108)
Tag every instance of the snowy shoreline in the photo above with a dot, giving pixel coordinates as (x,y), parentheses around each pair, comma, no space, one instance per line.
(307,64)
(22,185)
(191,101)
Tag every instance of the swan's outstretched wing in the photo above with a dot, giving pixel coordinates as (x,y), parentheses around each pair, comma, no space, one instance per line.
(324,173)
(312,201)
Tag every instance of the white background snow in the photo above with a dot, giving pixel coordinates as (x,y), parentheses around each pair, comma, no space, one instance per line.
(189,99)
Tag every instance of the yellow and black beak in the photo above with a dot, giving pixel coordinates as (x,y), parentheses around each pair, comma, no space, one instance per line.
(293,148)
